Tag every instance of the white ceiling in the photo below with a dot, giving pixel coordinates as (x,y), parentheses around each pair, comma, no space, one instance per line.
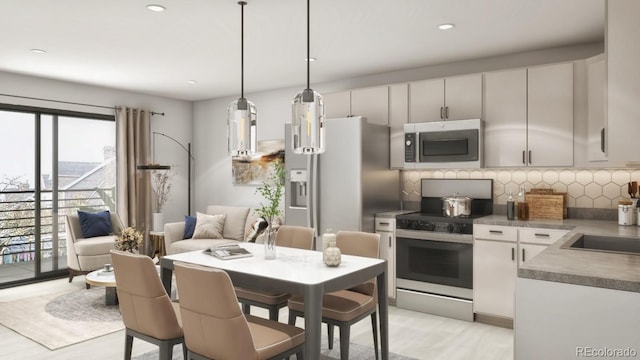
(121,44)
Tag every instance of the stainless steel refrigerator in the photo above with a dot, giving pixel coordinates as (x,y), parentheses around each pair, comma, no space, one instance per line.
(344,187)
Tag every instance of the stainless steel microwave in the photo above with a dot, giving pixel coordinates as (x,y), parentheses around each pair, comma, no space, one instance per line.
(443,144)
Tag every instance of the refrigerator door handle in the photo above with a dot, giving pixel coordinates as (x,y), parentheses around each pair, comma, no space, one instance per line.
(314,194)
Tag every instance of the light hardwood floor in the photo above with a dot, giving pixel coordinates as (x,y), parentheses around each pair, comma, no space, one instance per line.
(413,334)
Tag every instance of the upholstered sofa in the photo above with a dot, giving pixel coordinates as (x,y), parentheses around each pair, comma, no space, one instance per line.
(236,222)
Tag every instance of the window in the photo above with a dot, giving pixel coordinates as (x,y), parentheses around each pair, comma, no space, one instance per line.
(53,163)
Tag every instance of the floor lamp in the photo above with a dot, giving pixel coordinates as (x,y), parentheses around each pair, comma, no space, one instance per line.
(156,166)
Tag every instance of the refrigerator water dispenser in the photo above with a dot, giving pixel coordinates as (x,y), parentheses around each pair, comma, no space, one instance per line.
(298,182)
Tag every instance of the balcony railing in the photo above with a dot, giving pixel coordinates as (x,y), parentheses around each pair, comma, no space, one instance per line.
(20,228)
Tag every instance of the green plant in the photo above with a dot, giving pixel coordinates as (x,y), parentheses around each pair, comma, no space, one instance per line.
(272,190)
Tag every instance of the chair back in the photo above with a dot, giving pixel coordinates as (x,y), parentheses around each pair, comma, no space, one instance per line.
(144,304)
(295,236)
(360,244)
(213,324)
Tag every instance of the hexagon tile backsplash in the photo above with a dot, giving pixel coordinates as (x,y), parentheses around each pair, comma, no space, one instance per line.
(586,188)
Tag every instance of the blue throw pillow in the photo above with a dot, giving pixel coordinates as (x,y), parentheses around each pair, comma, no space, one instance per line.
(95,223)
(189,226)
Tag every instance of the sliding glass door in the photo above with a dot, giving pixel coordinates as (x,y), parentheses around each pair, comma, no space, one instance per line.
(53,164)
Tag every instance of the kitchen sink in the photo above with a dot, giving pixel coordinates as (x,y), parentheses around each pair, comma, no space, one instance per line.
(614,244)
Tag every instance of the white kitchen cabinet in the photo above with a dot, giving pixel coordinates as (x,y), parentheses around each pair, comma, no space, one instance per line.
(505,121)
(337,104)
(454,98)
(371,103)
(529,116)
(596,110)
(386,228)
(550,115)
(398,116)
(498,251)
(494,269)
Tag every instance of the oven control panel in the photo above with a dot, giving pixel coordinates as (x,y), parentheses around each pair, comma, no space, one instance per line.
(435,226)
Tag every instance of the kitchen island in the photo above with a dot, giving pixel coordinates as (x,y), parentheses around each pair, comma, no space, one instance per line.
(577,303)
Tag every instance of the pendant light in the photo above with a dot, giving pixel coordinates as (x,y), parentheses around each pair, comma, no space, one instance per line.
(242,130)
(308,115)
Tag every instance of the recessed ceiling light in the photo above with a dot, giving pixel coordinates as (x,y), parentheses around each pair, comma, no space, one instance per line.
(156,7)
(38,51)
(192,82)
(312,59)
(445,26)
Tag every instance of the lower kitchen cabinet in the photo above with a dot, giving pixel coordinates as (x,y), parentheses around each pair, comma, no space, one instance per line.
(498,251)
(386,228)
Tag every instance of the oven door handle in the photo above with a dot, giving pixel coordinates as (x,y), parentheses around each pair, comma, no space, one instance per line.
(434,236)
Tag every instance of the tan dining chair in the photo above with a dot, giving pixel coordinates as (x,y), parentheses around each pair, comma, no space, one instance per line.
(147,312)
(290,236)
(215,327)
(346,307)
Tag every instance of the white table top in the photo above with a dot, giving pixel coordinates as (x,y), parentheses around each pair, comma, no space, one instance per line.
(101,278)
(293,265)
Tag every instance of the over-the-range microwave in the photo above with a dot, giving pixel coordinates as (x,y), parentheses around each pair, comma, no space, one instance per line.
(443,144)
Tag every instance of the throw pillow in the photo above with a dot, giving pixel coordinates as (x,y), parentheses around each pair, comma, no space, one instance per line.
(95,223)
(256,228)
(189,226)
(209,226)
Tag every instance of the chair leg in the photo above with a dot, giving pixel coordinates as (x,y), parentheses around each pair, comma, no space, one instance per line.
(345,333)
(246,308)
(374,327)
(184,350)
(274,313)
(128,345)
(292,318)
(300,355)
(330,335)
(166,350)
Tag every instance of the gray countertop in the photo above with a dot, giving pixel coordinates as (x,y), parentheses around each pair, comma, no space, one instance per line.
(589,268)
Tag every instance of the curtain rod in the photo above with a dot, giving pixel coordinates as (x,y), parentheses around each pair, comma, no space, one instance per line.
(74,103)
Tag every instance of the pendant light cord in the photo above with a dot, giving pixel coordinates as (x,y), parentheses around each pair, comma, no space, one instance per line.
(242,4)
(308,46)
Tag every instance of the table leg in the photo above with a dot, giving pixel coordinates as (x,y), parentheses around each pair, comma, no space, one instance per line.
(166,274)
(383,313)
(312,321)
(111,296)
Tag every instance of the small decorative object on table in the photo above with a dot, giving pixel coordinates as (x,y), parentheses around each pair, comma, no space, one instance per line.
(331,254)
(272,190)
(130,240)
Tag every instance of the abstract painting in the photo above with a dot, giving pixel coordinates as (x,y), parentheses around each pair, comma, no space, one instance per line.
(254,170)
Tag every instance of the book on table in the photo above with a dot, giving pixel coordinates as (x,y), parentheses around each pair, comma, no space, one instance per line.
(230,251)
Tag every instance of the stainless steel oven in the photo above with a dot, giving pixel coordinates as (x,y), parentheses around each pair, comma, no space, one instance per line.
(434,253)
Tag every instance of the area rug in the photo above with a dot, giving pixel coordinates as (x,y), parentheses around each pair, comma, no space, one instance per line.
(356,352)
(61,319)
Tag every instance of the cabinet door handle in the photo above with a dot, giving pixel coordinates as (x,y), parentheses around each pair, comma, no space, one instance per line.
(390,241)
(495,232)
(523,258)
(441,112)
(523,161)
(542,235)
(602,140)
(446,112)
(384,223)
(529,156)
(513,254)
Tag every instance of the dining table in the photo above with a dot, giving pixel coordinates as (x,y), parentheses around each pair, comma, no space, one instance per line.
(295,271)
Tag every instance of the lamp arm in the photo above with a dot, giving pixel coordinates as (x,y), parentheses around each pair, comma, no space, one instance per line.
(177,142)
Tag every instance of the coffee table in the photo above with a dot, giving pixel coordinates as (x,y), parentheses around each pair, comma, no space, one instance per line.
(106,279)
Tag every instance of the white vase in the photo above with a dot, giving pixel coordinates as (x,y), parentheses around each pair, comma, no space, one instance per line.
(158,222)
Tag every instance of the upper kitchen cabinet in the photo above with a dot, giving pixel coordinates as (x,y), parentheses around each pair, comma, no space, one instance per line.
(550,115)
(372,103)
(453,98)
(398,116)
(529,116)
(623,81)
(505,121)
(596,110)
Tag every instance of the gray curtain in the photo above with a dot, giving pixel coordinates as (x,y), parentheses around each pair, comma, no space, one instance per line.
(133,186)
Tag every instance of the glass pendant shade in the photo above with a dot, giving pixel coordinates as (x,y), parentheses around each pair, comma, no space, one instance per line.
(308,123)
(242,130)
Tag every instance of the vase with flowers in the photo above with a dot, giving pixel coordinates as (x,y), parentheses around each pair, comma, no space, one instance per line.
(161,186)
(272,190)
(129,240)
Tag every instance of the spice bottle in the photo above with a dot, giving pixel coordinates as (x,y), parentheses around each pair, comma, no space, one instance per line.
(511,207)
